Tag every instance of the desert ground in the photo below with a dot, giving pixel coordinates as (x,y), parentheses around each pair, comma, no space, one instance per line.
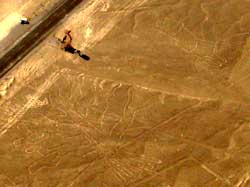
(12,10)
(164,100)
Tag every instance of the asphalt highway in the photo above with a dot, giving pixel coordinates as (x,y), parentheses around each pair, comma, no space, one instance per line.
(32,37)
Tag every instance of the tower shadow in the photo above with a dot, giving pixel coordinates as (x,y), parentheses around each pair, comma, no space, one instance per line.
(72,50)
(84,56)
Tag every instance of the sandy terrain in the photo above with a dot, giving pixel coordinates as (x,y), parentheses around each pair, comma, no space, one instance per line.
(163,102)
(12,11)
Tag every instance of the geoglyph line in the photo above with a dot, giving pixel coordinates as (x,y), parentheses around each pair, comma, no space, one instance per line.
(19,114)
(93,37)
(149,89)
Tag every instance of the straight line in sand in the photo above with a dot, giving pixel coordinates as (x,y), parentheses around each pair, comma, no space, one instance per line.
(19,114)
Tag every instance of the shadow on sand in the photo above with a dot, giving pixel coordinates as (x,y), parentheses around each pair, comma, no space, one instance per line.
(72,50)
(85,57)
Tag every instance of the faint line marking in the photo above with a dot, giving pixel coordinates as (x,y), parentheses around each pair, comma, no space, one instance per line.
(179,95)
(165,122)
(19,114)
(149,178)
(243,180)
(216,175)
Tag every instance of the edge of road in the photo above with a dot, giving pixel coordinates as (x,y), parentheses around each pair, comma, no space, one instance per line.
(34,23)
(36,34)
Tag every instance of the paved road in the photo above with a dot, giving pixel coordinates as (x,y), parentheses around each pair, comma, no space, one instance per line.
(36,35)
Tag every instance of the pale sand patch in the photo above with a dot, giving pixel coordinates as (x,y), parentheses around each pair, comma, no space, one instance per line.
(8,23)
(12,11)
(89,28)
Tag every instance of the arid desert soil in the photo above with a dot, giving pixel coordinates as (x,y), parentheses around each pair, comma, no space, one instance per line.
(163,102)
(12,10)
